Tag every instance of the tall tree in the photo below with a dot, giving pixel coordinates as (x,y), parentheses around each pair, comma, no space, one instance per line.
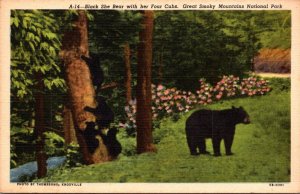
(41,156)
(34,48)
(127,73)
(144,113)
(80,87)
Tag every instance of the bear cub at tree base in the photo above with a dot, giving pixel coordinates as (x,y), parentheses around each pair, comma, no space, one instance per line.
(214,124)
(104,116)
(110,140)
(90,136)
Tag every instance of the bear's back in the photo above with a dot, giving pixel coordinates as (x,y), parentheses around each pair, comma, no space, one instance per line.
(199,123)
(200,116)
(206,122)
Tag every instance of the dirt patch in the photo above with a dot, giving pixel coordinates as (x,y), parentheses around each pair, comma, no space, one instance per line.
(273,61)
(279,75)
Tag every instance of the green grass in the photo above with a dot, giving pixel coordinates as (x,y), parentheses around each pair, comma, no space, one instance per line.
(262,151)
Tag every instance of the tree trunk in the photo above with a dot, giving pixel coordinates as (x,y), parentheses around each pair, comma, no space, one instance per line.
(127,73)
(80,87)
(41,156)
(144,114)
(69,130)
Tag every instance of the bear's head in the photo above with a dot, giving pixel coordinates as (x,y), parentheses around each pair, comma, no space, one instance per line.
(241,115)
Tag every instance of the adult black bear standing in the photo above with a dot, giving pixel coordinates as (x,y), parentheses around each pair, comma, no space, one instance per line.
(215,124)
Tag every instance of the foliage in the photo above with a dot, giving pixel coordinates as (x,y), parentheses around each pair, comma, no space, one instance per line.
(280,84)
(108,40)
(13,157)
(172,102)
(204,93)
(128,145)
(230,86)
(255,147)
(54,144)
(35,44)
(187,45)
(22,145)
(184,42)
(275,29)
(74,158)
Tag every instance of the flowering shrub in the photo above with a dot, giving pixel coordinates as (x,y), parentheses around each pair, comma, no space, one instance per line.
(171,102)
(130,125)
(226,87)
(167,101)
(205,93)
(253,86)
(230,86)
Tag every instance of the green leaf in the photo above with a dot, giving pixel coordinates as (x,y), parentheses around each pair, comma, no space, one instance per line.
(32,46)
(52,51)
(25,25)
(48,84)
(15,21)
(32,28)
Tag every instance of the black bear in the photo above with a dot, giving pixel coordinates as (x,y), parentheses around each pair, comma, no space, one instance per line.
(215,124)
(104,114)
(97,74)
(110,140)
(90,136)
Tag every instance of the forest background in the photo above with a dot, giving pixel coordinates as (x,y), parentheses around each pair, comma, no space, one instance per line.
(220,47)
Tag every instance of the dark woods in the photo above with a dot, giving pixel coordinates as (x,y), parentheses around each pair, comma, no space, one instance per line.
(77,72)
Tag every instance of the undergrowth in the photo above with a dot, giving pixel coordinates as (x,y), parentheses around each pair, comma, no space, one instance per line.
(262,151)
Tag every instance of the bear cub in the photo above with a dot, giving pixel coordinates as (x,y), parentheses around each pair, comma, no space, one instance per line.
(104,114)
(94,65)
(90,134)
(110,140)
(214,124)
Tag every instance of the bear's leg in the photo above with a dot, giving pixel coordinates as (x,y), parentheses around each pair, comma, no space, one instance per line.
(216,145)
(202,146)
(228,143)
(91,140)
(192,145)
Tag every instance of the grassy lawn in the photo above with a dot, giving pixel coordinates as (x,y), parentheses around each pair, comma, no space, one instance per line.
(262,151)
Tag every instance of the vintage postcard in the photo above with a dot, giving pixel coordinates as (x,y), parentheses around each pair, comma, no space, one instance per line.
(150,96)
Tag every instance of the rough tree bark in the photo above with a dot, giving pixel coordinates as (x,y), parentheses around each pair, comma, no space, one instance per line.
(127,73)
(80,87)
(144,114)
(69,130)
(41,156)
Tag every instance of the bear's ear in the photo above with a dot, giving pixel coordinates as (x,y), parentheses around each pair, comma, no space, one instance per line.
(232,107)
